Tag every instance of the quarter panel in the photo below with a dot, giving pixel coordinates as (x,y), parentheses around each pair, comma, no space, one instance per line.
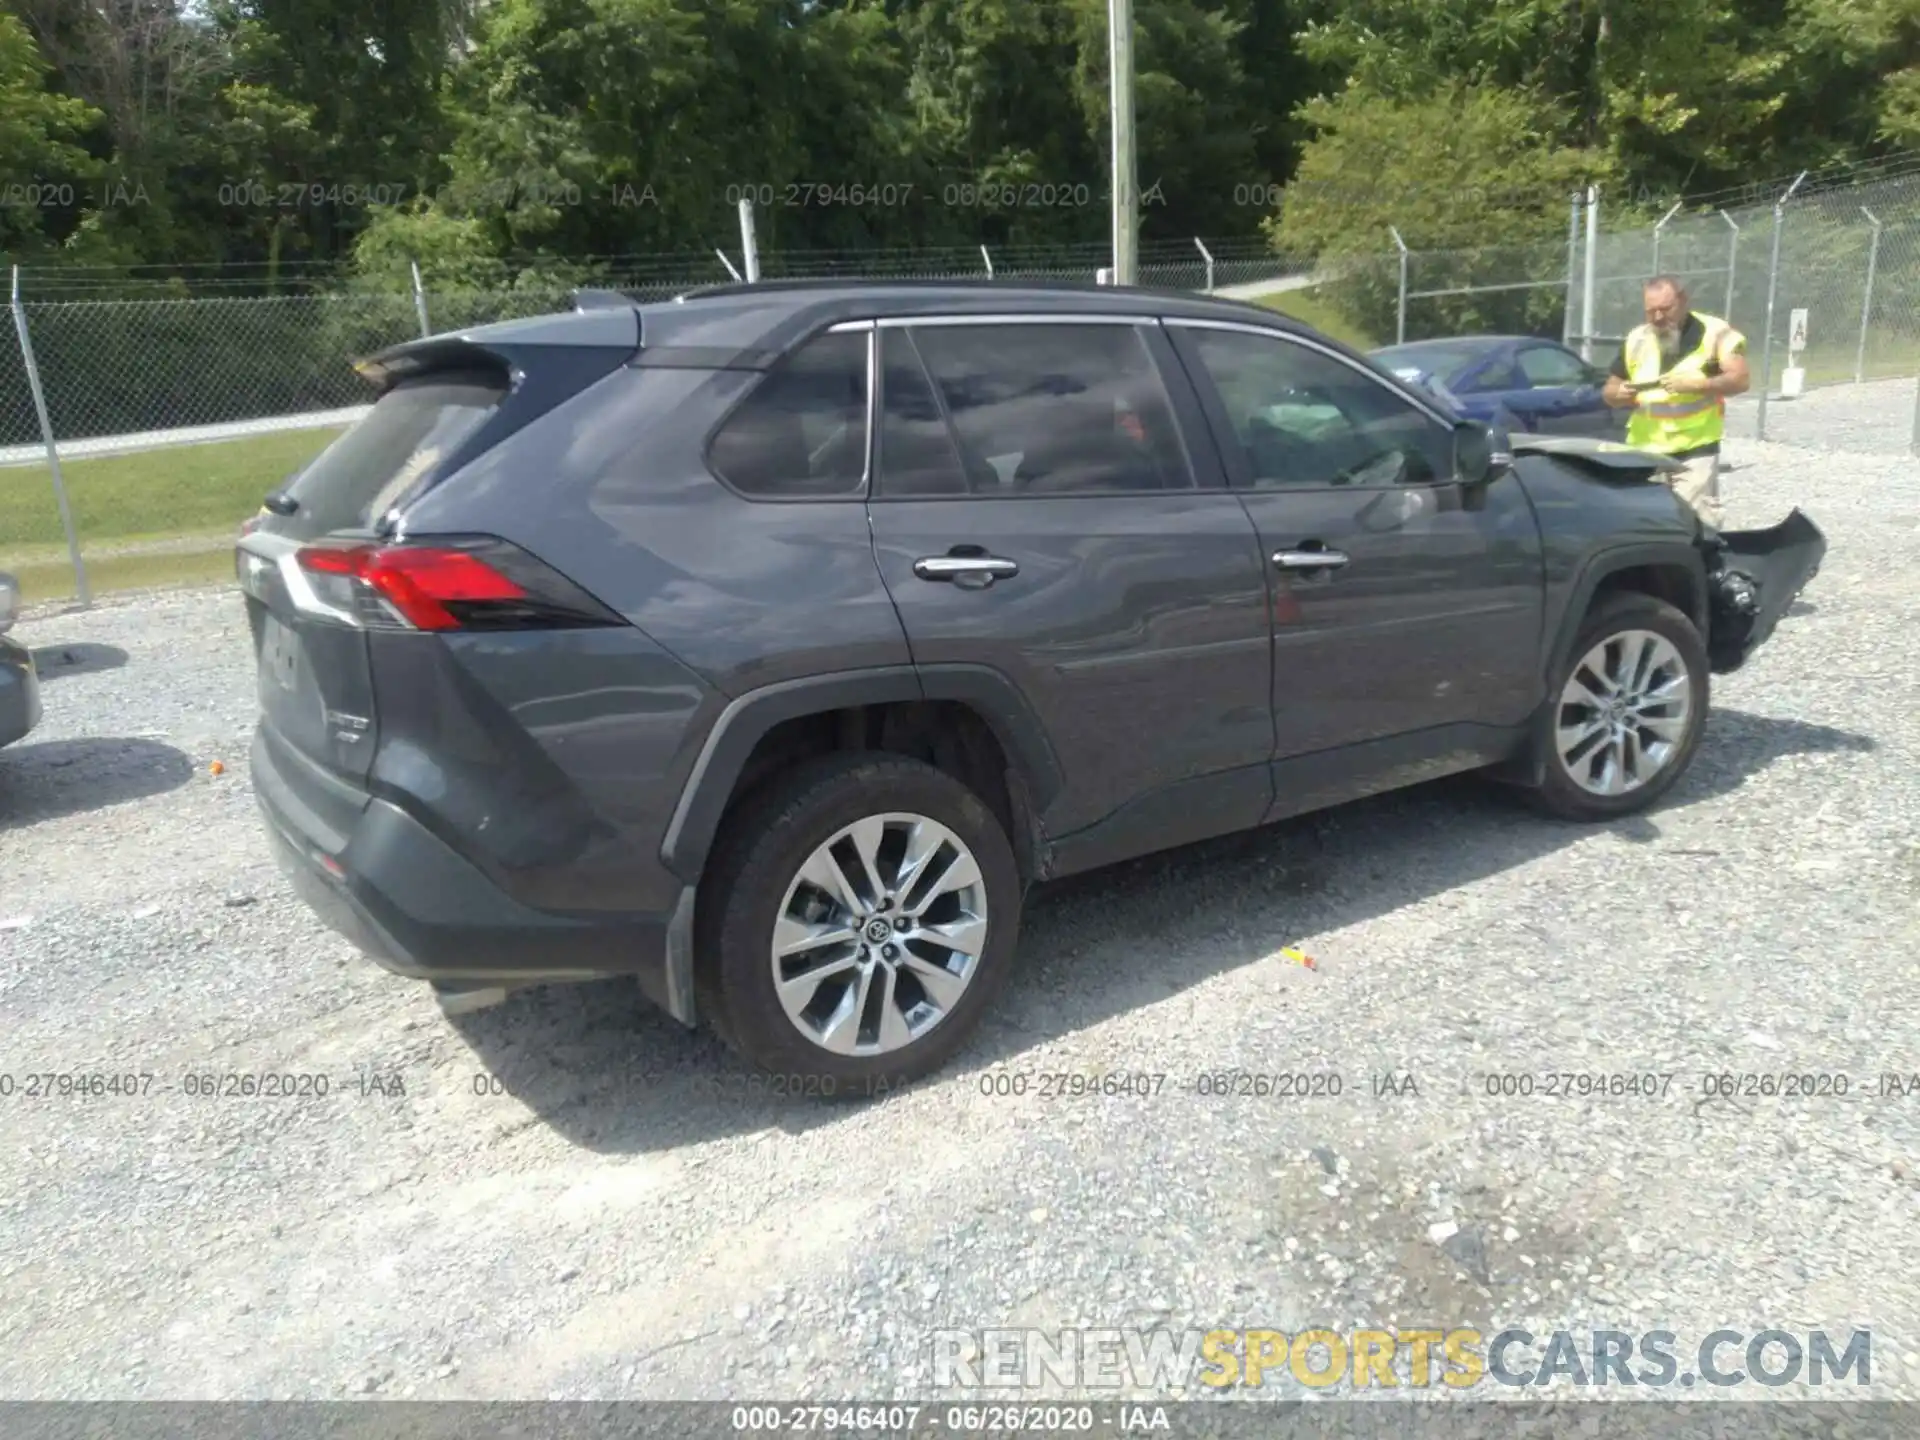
(612,489)
(550,759)
(727,596)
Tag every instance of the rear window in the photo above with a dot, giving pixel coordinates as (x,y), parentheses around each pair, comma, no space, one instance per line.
(354,482)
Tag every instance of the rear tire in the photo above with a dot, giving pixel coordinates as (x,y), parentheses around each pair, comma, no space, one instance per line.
(1624,712)
(819,862)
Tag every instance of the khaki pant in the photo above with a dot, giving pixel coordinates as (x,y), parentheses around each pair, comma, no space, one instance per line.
(1699,486)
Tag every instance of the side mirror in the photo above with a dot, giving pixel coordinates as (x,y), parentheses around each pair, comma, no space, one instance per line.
(1481,453)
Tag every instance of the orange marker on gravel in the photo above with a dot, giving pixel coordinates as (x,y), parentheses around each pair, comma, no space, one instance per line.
(216,768)
(1300,957)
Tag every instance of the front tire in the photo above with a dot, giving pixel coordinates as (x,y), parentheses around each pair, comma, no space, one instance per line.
(1624,712)
(860,916)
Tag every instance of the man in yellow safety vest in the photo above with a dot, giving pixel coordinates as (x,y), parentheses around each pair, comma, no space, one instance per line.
(1675,373)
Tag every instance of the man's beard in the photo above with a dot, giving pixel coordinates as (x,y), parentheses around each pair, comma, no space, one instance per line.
(1669,342)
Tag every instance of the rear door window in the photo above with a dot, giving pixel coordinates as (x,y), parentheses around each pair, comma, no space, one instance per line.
(917,453)
(1056,409)
(354,482)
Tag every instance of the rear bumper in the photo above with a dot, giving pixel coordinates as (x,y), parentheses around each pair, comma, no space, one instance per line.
(19,691)
(419,909)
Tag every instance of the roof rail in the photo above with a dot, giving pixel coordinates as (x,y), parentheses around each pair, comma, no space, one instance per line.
(852,282)
(591,299)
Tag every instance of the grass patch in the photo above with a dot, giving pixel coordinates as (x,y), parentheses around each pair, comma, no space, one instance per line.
(1836,366)
(1310,308)
(43,579)
(183,489)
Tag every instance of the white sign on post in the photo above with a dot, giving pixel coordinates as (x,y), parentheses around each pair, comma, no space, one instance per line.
(1794,380)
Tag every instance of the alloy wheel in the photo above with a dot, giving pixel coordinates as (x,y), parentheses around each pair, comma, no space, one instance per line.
(1623,712)
(879,934)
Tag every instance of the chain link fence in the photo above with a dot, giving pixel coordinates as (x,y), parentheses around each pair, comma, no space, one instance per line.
(1841,252)
(125,373)
(1845,260)
(1495,289)
(131,366)
(173,403)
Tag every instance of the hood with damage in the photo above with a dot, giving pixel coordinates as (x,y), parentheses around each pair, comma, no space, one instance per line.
(1607,459)
(1753,576)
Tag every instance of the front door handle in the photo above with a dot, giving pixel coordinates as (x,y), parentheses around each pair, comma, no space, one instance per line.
(968,571)
(1310,559)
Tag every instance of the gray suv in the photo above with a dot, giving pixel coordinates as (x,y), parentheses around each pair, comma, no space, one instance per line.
(767,644)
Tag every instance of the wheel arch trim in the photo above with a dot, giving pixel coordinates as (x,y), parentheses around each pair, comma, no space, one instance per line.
(748,717)
(1598,567)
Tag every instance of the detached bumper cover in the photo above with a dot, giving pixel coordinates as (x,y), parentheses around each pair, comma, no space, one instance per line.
(417,908)
(1754,576)
(19,691)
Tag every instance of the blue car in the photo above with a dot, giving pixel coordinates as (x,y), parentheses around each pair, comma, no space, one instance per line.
(1523,384)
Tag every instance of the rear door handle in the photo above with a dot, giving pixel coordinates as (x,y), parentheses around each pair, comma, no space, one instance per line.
(1310,559)
(966,570)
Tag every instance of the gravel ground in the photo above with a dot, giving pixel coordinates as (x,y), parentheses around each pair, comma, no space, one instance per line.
(1875,418)
(570,1197)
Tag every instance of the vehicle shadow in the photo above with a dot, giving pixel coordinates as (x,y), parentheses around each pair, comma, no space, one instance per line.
(57,662)
(612,1074)
(57,778)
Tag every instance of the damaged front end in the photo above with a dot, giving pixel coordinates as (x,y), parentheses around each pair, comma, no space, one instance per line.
(1753,576)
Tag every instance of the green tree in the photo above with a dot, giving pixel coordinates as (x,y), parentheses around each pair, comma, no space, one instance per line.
(1450,172)
(1859,61)
(1004,131)
(1195,119)
(42,159)
(181,138)
(594,127)
(1279,77)
(1678,92)
(263,161)
(372,73)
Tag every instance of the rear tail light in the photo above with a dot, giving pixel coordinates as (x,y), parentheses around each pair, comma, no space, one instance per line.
(446,584)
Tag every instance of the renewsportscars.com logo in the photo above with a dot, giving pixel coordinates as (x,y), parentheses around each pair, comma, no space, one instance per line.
(1160,1360)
